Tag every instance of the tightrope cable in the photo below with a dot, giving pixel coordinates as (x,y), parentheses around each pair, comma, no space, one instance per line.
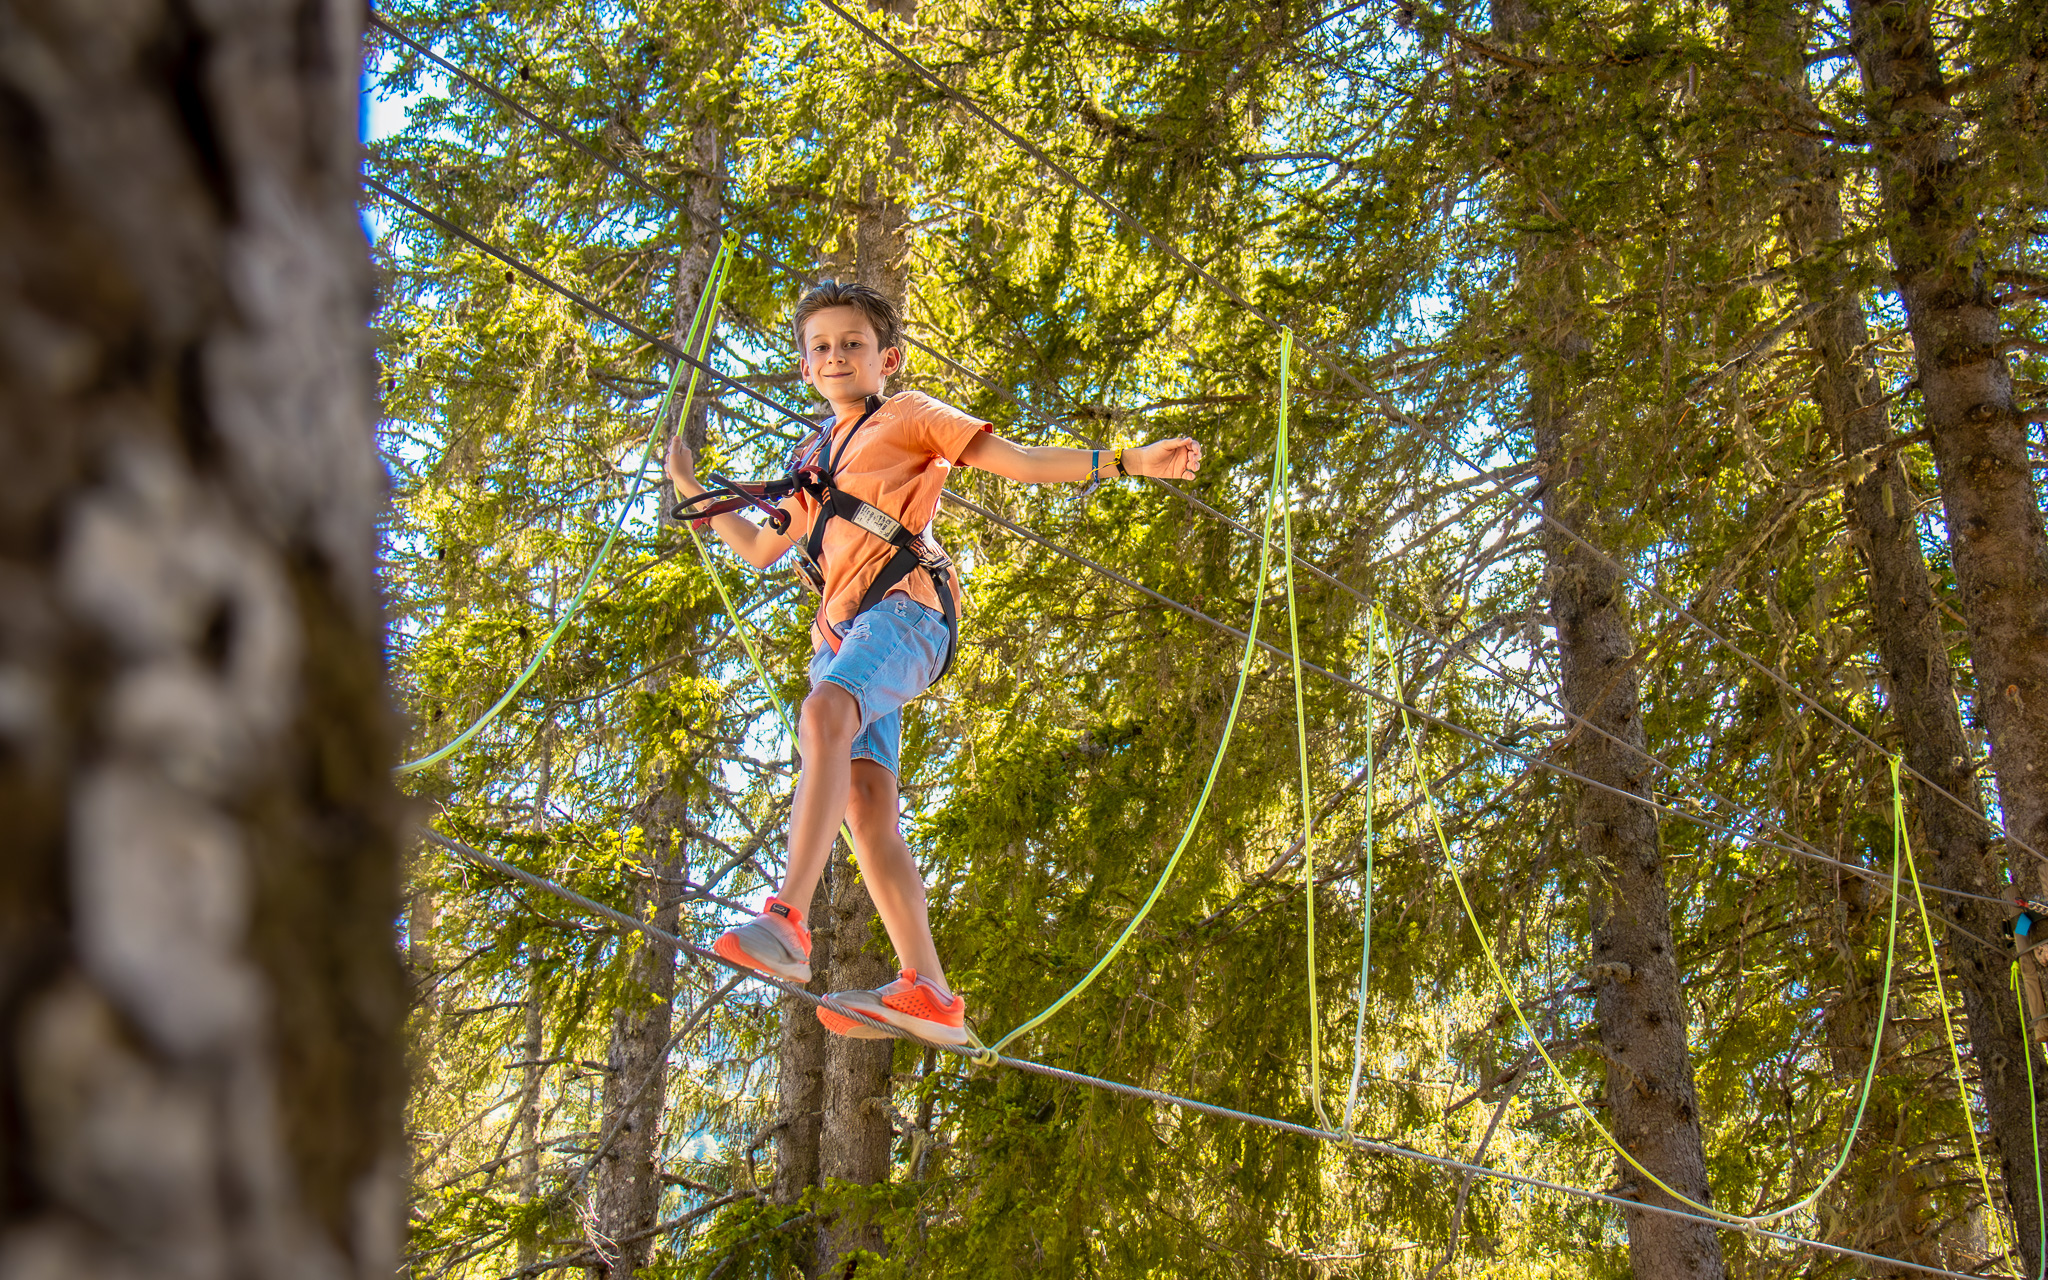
(973,1054)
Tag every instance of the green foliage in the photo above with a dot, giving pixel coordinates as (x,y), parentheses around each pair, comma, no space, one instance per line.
(1351,171)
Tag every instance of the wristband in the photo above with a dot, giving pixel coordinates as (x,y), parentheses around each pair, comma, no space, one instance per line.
(1118,462)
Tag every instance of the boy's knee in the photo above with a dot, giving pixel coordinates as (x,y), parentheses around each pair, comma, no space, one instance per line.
(829,714)
(871,800)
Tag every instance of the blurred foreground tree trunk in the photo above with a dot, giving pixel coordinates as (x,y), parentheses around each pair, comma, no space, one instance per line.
(200,991)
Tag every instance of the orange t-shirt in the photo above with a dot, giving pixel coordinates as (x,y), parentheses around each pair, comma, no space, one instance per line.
(897,462)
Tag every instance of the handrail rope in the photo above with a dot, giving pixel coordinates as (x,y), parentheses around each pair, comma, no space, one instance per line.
(1156,1096)
(1901,850)
(575,600)
(1470,735)
(1283,480)
(1275,494)
(2033,1121)
(1955,1057)
(1365,903)
(1533,761)
(1336,366)
(637,179)
(628,173)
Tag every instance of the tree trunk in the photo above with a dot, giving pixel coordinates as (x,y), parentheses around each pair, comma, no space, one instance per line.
(531,1047)
(855,1138)
(200,992)
(1653,1105)
(1637,999)
(1988,497)
(706,207)
(626,1189)
(800,1066)
(1919,681)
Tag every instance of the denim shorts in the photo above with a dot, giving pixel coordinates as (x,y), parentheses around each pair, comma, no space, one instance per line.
(888,656)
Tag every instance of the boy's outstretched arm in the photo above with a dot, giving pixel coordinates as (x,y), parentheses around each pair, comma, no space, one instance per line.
(753,543)
(1174,459)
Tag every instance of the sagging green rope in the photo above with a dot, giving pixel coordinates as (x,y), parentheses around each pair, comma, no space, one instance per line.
(1276,493)
(1955,1056)
(654,438)
(1902,857)
(2034,1121)
(1283,469)
(1375,624)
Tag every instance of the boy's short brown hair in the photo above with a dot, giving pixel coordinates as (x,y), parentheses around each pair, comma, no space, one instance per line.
(872,303)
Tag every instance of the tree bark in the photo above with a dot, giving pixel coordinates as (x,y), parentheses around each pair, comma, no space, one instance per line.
(532,1048)
(800,1067)
(1638,1002)
(1988,497)
(200,992)
(626,1188)
(1913,650)
(855,1138)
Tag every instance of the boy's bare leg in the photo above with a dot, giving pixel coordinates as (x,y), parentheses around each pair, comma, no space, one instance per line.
(825,730)
(833,785)
(893,880)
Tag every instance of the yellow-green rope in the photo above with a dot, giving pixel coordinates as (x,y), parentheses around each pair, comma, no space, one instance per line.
(1955,1057)
(1283,478)
(1901,854)
(2033,1120)
(654,437)
(1275,493)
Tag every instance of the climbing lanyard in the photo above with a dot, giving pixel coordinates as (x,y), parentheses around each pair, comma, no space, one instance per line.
(714,283)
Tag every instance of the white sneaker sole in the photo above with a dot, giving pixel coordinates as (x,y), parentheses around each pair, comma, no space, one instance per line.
(745,944)
(865,1002)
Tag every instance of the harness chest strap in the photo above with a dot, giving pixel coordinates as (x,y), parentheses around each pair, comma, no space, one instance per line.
(913,550)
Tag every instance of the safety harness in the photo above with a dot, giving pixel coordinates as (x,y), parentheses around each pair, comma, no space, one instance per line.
(813,475)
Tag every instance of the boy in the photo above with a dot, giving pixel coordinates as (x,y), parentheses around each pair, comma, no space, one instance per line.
(888,455)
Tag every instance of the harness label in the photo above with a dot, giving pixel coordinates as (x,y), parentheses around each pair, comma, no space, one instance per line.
(877,522)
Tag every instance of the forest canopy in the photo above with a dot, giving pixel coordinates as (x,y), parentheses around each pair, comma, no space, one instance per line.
(1667,582)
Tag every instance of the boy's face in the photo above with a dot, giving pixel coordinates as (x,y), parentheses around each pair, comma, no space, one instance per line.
(841,357)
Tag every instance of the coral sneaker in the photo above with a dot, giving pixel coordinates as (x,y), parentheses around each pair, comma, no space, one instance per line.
(774,942)
(910,1002)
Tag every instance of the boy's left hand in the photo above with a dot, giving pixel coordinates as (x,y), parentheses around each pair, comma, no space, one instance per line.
(1175,459)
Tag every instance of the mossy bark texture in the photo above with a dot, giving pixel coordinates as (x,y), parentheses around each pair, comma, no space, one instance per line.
(200,992)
